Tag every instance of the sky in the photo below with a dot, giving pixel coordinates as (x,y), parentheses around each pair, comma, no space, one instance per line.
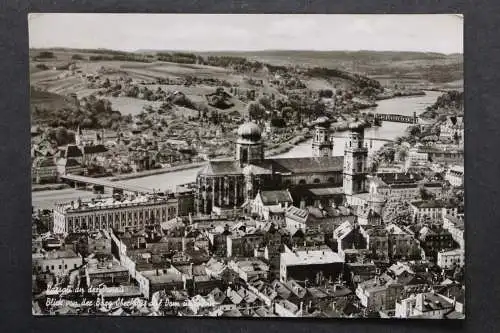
(441,33)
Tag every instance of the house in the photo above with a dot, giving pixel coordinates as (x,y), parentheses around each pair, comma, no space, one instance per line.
(402,243)
(94,153)
(105,271)
(367,216)
(455,175)
(249,269)
(268,200)
(416,157)
(154,280)
(450,259)
(44,170)
(431,210)
(285,308)
(69,166)
(451,128)
(435,240)
(310,264)
(455,226)
(296,219)
(58,262)
(243,244)
(377,241)
(378,294)
(72,151)
(424,305)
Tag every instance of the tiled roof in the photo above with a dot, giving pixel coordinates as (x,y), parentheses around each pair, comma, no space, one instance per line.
(94,149)
(326,191)
(72,162)
(274,197)
(308,164)
(398,177)
(73,151)
(431,204)
(403,186)
(221,168)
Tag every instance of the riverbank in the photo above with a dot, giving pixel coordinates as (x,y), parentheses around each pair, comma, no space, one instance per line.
(154,172)
(400,94)
(287,146)
(48,187)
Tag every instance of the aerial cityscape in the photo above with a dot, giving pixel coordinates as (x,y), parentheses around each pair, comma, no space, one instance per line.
(178,179)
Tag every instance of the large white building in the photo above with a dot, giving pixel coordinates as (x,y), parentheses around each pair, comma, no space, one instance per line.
(455,175)
(424,305)
(113,213)
(448,259)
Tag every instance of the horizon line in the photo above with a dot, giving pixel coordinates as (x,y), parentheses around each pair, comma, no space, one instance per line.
(256,50)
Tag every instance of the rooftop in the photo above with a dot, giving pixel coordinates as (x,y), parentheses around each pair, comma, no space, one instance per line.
(60,254)
(110,203)
(275,197)
(431,204)
(296,213)
(310,257)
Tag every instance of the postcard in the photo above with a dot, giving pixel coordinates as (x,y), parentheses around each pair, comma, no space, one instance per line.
(305,166)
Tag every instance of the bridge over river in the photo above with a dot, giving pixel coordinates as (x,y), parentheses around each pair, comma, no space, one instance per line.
(101,183)
(397,118)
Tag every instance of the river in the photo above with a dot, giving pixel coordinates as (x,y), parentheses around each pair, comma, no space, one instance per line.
(168,181)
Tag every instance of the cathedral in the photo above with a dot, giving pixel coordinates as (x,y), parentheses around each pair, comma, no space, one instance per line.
(321,178)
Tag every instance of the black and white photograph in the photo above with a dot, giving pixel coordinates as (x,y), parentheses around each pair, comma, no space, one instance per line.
(247,165)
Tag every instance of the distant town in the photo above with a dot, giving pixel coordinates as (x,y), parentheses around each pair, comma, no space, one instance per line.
(185,184)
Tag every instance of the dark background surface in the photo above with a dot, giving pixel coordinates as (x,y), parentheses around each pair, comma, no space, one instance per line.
(482,140)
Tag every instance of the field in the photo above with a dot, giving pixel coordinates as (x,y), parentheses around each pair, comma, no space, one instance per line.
(417,66)
(404,69)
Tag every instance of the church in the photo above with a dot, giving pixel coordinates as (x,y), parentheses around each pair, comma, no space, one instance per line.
(329,180)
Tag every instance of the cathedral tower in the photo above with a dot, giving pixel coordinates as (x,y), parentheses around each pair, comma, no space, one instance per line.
(249,147)
(355,161)
(322,145)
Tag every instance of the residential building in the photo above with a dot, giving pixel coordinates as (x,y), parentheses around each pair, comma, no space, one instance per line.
(307,263)
(424,305)
(44,170)
(455,226)
(69,166)
(268,200)
(249,269)
(455,175)
(378,294)
(431,211)
(451,258)
(58,262)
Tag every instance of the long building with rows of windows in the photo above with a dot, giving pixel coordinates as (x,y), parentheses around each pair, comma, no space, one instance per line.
(116,213)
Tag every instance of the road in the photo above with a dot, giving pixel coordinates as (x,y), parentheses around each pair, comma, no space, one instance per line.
(47,199)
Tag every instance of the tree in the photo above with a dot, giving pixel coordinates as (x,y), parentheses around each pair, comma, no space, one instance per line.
(415,131)
(265,102)
(255,111)
(327,93)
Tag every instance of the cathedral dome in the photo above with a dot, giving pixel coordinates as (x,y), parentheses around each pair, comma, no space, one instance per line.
(250,131)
